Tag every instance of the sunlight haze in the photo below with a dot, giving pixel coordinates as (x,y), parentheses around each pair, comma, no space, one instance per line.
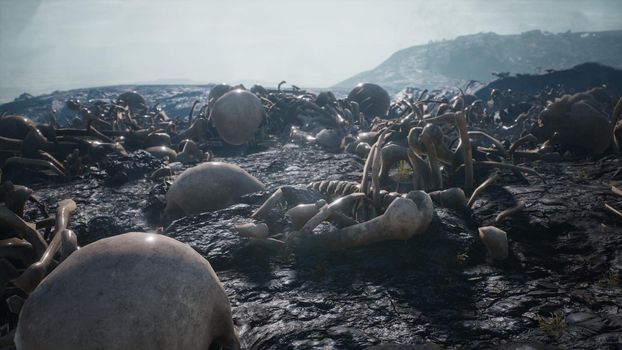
(63,44)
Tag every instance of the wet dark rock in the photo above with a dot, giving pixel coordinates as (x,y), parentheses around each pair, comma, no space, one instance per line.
(437,289)
(121,169)
(559,288)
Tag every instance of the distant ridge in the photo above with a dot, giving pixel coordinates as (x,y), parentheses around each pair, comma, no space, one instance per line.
(475,57)
(579,78)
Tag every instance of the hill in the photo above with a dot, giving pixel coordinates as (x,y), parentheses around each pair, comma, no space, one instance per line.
(475,57)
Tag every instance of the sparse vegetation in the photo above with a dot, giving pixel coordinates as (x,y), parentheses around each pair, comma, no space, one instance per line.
(610,279)
(554,324)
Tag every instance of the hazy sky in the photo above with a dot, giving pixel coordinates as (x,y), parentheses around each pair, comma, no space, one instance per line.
(61,44)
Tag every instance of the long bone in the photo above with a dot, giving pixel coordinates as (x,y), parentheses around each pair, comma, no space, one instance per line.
(327,210)
(250,230)
(301,213)
(422,176)
(481,188)
(510,211)
(405,217)
(510,167)
(32,146)
(465,143)
(375,175)
(15,196)
(613,210)
(68,245)
(368,164)
(17,249)
(430,147)
(357,115)
(34,274)
(268,205)
(25,230)
(493,140)
(459,120)
(616,114)
(428,140)
(529,138)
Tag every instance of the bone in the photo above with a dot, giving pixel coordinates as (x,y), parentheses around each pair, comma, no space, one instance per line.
(196,130)
(207,187)
(237,115)
(327,210)
(529,138)
(17,249)
(509,212)
(613,210)
(452,198)
(137,274)
(494,141)
(33,275)
(422,175)
(375,174)
(430,148)
(190,153)
(354,106)
(443,118)
(25,230)
(495,241)
(616,114)
(362,149)
(510,167)
(402,219)
(271,203)
(443,153)
(35,162)
(250,230)
(300,214)
(368,163)
(15,197)
(481,189)
(68,244)
(161,172)
(194,104)
(162,152)
(465,145)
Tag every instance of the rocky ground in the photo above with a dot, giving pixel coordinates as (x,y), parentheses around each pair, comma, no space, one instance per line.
(560,288)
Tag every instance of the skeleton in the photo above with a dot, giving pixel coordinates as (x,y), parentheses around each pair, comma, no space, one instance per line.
(27,244)
(363,212)
(106,127)
(26,253)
